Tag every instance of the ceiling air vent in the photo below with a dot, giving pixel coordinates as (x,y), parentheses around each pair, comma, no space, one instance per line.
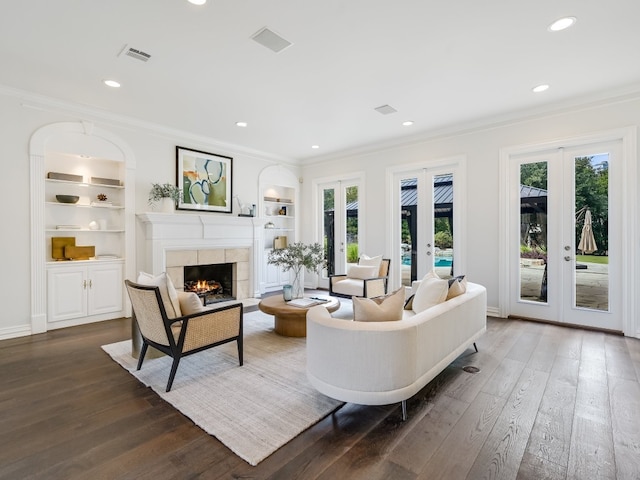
(385,109)
(135,53)
(271,40)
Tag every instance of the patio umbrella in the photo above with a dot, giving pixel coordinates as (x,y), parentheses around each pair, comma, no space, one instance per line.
(587,240)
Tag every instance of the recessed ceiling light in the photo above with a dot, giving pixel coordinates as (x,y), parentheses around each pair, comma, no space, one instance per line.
(540,88)
(561,24)
(242,124)
(112,83)
(408,123)
(315,146)
(198,2)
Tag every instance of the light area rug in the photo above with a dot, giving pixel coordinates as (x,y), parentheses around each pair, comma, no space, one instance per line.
(254,409)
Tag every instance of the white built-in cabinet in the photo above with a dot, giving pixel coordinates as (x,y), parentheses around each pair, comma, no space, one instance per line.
(279,195)
(72,292)
(84,289)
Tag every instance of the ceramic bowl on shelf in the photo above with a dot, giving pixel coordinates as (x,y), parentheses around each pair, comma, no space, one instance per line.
(67,198)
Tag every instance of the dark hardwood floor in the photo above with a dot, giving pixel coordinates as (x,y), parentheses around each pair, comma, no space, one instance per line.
(548,402)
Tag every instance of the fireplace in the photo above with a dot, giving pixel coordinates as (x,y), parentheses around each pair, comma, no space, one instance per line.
(213,283)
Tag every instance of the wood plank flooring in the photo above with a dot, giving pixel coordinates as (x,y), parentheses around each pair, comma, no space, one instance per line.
(548,402)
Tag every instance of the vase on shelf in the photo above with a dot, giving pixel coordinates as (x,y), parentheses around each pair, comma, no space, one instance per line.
(297,282)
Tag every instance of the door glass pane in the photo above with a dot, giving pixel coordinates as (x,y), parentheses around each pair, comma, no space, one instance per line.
(328,195)
(443,225)
(351,196)
(591,278)
(408,230)
(533,232)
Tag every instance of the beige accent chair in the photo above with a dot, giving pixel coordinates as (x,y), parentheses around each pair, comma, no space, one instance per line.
(184,335)
(355,285)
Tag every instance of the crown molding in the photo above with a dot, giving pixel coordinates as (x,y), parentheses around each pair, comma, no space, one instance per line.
(83,112)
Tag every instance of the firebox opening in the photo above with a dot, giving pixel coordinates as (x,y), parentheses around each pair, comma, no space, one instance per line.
(212,283)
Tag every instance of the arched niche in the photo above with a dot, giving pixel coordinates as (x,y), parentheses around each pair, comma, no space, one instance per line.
(77,138)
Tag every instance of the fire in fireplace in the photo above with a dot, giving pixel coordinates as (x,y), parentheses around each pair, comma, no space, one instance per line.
(213,283)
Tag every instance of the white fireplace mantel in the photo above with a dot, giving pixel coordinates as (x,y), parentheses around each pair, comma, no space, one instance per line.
(185,231)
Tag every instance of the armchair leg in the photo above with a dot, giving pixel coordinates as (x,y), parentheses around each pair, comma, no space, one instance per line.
(174,369)
(404,410)
(475,346)
(143,352)
(240,349)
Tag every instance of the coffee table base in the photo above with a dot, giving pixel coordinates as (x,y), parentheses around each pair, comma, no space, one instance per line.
(290,327)
(291,321)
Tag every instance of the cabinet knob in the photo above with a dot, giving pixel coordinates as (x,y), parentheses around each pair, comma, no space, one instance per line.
(84,284)
(90,283)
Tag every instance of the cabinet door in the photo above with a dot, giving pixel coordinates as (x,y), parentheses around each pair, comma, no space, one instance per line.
(105,288)
(272,275)
(66,289)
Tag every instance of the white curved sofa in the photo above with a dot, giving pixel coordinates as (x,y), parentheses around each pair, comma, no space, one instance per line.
(378,363)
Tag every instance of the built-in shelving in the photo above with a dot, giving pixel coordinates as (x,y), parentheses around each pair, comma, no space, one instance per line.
(278,204)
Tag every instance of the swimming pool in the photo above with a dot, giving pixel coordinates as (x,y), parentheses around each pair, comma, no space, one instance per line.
(437,261)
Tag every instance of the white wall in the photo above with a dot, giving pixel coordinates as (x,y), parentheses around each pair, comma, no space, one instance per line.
(155,160)
(154,151)
(481,148)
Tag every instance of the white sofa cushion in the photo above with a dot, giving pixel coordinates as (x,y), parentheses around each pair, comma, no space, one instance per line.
(362,271)
(168,292)
(431,292)
(387,309)
(349,286)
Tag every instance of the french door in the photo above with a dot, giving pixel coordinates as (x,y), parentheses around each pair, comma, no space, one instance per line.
(339,226)
(565,239)
(425,222)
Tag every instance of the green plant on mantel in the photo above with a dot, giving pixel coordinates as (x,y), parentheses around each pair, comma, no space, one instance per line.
(166,190)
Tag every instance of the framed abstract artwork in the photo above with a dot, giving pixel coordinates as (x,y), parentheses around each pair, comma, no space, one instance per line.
(205,180)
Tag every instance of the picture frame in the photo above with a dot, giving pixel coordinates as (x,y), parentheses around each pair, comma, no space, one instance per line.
(205,180)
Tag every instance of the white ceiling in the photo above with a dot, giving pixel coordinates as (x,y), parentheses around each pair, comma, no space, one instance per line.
(439,63)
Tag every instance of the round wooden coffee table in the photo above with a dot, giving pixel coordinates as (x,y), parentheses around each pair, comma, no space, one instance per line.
(291,321)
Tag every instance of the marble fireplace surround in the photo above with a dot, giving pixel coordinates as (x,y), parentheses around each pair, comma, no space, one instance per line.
(177,239)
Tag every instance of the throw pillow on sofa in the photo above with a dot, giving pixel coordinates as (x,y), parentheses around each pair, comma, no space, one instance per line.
(457,286)
(168,292)
(389,309)
(432,291)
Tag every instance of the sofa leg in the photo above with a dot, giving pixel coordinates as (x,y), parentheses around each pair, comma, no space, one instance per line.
(475,346)
(404,410)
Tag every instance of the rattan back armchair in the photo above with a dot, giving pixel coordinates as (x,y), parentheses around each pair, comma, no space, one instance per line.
(181,336)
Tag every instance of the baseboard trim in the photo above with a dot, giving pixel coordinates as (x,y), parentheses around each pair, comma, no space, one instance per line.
(14,332)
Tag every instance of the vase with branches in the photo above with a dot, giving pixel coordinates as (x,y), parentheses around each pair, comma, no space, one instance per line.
(297,258)
(165,192)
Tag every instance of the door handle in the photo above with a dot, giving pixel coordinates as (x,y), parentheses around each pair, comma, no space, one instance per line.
(567,258)
(429,252)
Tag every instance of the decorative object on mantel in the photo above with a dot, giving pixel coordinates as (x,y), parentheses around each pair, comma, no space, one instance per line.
(269,226)
(206,180)
(246,210)
(166,194)
(298,257)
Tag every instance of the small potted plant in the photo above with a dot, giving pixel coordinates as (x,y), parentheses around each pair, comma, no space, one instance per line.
(298,257)
(167,194)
